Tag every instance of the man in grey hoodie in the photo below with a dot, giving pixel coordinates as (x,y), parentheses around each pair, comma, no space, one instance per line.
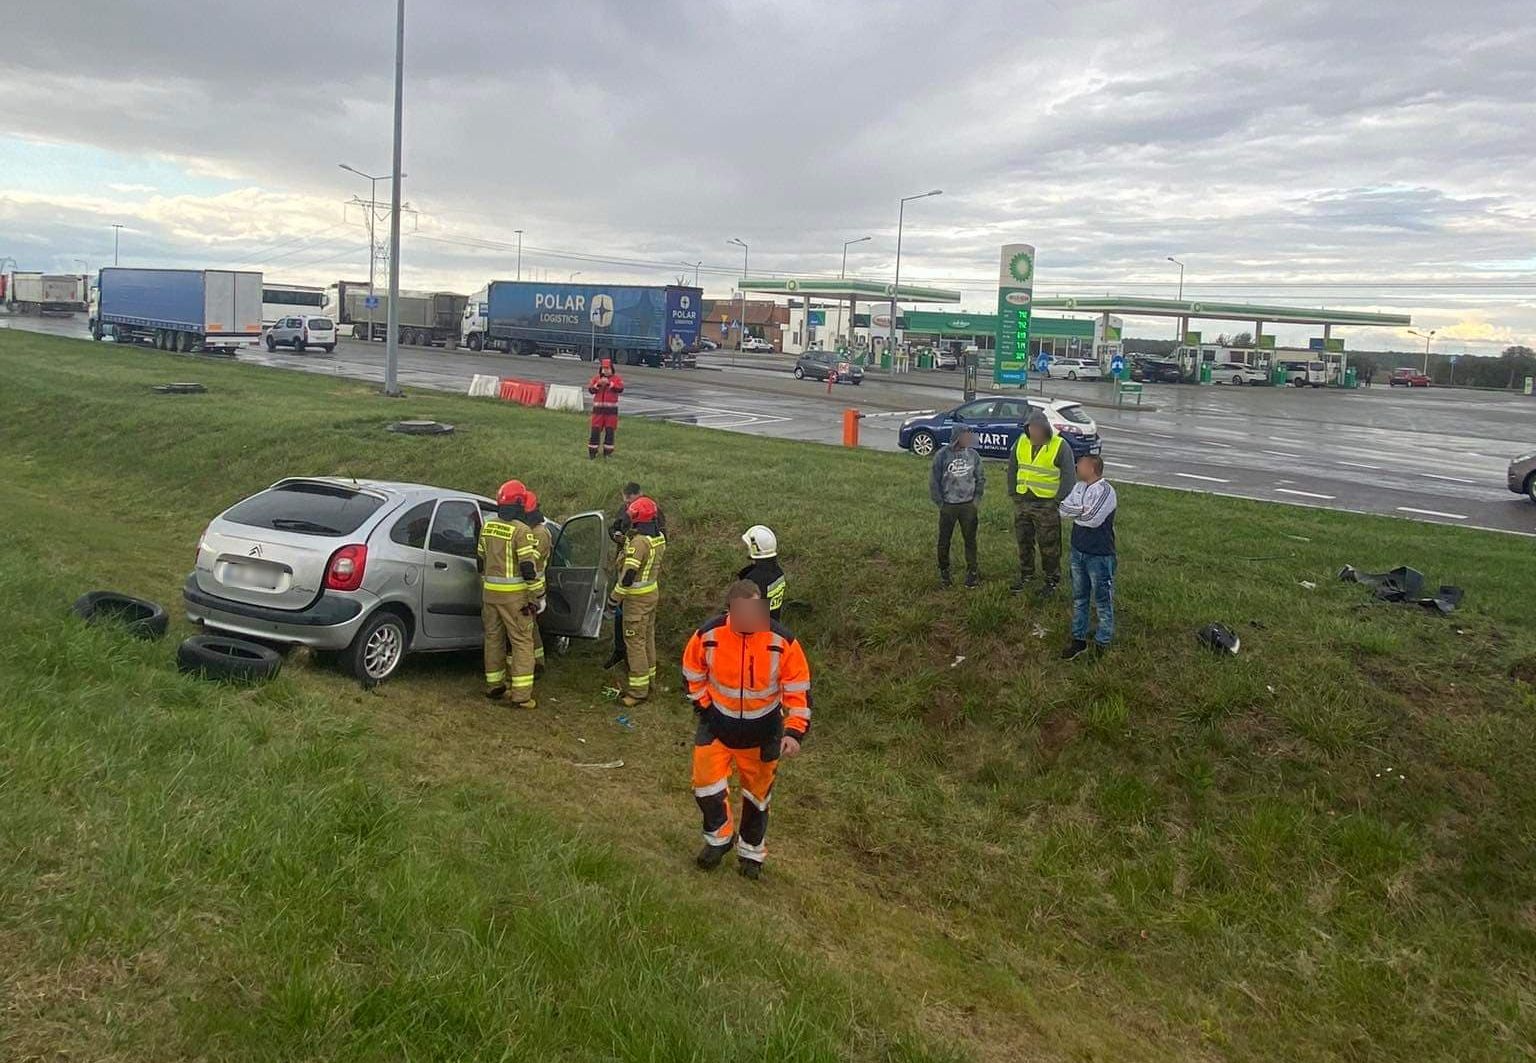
(955,484)
(1041,471)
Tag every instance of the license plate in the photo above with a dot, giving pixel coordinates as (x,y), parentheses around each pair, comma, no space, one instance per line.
(251,577)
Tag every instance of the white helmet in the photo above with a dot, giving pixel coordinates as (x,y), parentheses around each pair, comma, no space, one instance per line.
(761,542)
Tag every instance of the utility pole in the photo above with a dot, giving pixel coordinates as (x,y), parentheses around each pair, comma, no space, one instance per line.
(1177,327)
(843,275)
(741,325)
(116,232)
(392,341)
(695,266)
(1427,336)
(519,254)
(896,288)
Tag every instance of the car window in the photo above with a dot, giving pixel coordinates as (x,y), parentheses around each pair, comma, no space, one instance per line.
(1072,413)
(975,411)
(306,508)
(581,543)
(411,529)
(456,529)
(321,323)
(1011,410)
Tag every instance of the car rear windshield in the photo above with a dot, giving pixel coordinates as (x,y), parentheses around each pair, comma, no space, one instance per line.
(321,322)
(306,508)
(1073,414)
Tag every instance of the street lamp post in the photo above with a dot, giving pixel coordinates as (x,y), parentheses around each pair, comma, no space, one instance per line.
(573,276)
(896,288)
(373,206)
(741,323)
(843,275)
(116,232)
(695,266)
(1180,329)
(392,325)
(1427,337)
(519,254)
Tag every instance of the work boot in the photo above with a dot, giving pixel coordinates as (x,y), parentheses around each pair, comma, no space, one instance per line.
(752,869)
(497,692)
(529,704)
(1074,649)
(710,856)
(1021,582)
(629,701)
(944,580)
(973,579)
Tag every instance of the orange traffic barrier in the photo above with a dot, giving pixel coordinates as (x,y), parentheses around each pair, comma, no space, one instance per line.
(508,390)
(851,419)
(534,392)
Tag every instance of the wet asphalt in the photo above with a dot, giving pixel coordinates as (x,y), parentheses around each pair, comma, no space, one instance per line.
(1433,454)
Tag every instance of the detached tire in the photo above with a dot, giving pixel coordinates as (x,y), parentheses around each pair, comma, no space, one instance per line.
(231,660)
(143,619)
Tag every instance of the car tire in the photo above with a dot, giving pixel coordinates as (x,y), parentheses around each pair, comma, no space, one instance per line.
(228,659)
(1072,375)
(1237,380)
(924,444)
(799,373)
(1530,487)
(329,348)
(378,648)
(271,344)
(476,342)
(142,618)
(858,381)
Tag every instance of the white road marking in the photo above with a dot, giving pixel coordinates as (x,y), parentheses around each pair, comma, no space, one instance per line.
(1305,494)
(1357,465)
(1452,479)
(1119,464)
(1432,513)
(1213,443)
(1282,453)
(1283,439)
(1208,479)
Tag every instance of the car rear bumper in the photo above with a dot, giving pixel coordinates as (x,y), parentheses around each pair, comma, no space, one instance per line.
(1083,444)
(329,624)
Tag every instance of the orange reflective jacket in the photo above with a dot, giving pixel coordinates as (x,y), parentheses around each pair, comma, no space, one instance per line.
(748,685)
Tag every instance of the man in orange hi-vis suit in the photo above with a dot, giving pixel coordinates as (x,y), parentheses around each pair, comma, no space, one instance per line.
(750,685)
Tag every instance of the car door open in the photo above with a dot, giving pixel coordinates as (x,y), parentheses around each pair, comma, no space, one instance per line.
(577,578)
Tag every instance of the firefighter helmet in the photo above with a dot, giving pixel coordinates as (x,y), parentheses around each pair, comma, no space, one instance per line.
(511,493)
(642,510)
(761,542)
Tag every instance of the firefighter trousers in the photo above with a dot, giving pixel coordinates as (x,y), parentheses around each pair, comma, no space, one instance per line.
(755,770)
(510,637)
(637,615)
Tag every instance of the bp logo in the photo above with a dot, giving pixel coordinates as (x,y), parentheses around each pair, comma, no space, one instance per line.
(602,310)
(1021,267)
(792,286)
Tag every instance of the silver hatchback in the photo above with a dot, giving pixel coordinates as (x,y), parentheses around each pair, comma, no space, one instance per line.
(374,570)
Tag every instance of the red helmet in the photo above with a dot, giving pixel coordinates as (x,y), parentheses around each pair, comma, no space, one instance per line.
(606,363)
(530,501)
(512,492)
(643,509)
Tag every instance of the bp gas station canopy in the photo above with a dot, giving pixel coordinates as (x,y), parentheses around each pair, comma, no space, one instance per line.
(850,291)
(1185,309)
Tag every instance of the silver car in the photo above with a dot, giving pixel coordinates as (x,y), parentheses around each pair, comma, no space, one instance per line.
(301,333)
(1522,476)
(374,570)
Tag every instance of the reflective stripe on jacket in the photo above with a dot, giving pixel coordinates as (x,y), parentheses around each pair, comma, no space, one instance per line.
(1038,473)
(503,546)
(543,545)
(642,556)
(748,685)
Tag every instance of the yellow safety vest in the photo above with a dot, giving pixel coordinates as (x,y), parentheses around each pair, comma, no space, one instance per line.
(1038,474)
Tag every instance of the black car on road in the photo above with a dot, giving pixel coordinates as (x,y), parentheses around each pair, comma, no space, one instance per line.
(818,365)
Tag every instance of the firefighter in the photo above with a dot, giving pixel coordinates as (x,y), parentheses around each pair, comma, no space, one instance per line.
(618,532)
(763,549)
(635,596)
(509,605)
(750,686)
(605,388)
(544,546)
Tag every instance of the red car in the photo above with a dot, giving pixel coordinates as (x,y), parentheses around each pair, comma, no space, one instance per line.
(1408,378)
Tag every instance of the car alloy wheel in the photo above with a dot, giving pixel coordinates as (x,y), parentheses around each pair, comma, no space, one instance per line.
(923,444)
(381,653)
(799,373)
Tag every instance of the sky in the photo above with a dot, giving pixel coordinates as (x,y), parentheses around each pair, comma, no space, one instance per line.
(1342,154)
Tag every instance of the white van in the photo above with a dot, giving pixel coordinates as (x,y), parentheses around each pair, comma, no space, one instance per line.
(1301,374)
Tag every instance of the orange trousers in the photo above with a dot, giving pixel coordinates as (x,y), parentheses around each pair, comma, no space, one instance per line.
(712,764)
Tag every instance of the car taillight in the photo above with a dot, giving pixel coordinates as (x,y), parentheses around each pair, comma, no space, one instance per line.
(345,570)
(1069,430)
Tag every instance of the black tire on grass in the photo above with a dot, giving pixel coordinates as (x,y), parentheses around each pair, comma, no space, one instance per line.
(228,659)
(143,619)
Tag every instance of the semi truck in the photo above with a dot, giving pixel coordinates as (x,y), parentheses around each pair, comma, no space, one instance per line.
(178,309)
(632,324)
(46,293)
(427,319)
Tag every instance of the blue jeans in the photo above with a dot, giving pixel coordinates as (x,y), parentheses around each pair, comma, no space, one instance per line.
(1093,575)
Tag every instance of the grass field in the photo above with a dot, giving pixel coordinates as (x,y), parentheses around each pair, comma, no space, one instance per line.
(1319,849)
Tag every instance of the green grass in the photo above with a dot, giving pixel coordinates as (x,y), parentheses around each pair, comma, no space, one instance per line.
(1319,849)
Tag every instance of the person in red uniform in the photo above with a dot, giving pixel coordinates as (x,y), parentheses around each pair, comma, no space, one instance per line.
(750,686)
(605,388)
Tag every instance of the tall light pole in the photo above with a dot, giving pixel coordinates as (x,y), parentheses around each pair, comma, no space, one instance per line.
(1427,337)
(519,254)
(741,323)
(373,247)
(843,275)
(116,232)
(695,266)
(901,213)
(1180,330)
(392,325)
(573,276)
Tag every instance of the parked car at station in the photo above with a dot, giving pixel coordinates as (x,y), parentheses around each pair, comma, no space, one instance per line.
(1237,373)
(946,360)
(301,333)
(753,343)
(1074,369)
(998,423)
(819,365)
(1407,378)
(1305,374)
(1522,476)
(1156,371)
(373,570)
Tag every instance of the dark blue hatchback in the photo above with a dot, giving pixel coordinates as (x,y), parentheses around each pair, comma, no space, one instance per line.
(998,423)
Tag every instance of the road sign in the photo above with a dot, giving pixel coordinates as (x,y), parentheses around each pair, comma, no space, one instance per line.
(1015,296)
(1454,357)
(1042,363)
(1117,364)
(370,302)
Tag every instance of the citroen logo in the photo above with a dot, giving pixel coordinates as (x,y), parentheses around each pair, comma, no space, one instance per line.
(256,550)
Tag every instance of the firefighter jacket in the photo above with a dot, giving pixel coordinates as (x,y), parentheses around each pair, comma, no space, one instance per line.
(641,567)
(507,556)
(748,688)
(543,545)
(769,577)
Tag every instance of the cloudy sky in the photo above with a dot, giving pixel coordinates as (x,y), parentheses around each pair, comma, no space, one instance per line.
(1371,155)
